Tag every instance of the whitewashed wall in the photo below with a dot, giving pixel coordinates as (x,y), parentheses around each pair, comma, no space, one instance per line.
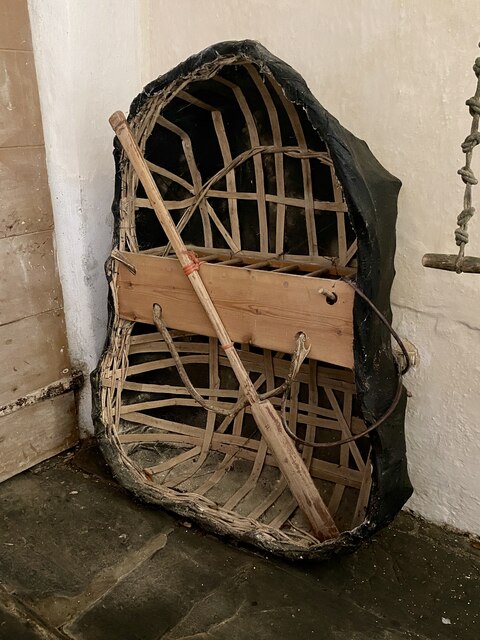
(88,56)
(394,72)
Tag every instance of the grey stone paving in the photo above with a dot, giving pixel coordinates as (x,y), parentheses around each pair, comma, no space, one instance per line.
(80,560)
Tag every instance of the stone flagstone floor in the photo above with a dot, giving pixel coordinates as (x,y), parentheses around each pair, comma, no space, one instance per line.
(80,560)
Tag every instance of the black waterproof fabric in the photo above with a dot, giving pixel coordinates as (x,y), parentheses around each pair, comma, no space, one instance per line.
(371,193)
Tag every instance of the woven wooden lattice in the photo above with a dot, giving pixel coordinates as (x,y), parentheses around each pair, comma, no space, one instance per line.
(280,212)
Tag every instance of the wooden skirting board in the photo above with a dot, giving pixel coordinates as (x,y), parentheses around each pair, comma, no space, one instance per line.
(37,432)
(52,390)
(262,308)
(38,425)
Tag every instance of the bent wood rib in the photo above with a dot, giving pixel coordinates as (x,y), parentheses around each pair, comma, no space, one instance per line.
(282,447)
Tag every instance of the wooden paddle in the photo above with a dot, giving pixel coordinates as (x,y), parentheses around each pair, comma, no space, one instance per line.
(282,447)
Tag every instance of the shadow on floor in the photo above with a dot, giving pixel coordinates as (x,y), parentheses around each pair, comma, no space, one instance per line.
(79,559)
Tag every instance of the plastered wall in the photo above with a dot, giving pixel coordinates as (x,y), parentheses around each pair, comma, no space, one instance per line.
(394,72)
(88,60)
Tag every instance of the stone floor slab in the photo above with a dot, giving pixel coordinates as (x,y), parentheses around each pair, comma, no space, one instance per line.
(90,563)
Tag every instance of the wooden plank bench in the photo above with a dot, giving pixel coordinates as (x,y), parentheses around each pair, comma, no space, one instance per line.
(262,308)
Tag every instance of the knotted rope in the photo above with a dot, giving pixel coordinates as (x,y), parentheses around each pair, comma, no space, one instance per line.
(301,351)
(193,265)
(466,173)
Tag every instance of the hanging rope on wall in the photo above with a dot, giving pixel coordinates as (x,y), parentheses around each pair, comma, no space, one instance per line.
(461,263)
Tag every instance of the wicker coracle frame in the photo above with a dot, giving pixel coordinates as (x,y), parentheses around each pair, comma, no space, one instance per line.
(277,202)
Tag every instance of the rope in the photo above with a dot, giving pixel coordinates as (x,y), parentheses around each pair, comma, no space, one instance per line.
(466,173)
(302,349)
(193,265)
(391,408)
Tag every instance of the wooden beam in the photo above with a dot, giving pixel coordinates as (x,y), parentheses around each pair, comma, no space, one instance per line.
(447,262)
(258,307)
